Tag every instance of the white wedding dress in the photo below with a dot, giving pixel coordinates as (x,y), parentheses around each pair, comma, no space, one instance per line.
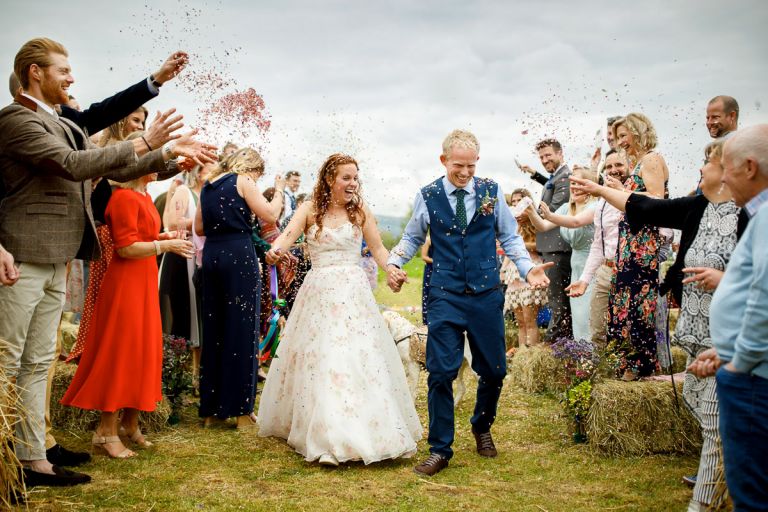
(337,385)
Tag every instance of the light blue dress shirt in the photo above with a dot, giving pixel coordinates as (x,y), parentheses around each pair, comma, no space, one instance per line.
(506,228)
(738,314)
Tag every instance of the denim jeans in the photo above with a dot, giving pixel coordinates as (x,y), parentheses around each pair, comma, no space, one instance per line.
(744,433)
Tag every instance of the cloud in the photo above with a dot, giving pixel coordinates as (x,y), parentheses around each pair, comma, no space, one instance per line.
(386,81)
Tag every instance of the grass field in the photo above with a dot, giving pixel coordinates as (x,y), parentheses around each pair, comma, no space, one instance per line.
(538,469)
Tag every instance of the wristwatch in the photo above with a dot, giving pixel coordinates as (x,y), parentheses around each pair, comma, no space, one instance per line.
(154,82)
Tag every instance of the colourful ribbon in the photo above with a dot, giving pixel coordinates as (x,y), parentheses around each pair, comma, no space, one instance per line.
(268,345)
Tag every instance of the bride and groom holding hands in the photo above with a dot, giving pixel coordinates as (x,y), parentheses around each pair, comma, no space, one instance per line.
(337,390)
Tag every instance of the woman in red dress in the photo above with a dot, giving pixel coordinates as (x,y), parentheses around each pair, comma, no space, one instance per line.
(121,366)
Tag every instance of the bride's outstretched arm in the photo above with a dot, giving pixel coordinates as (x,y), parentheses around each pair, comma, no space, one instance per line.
(290,234)
(373,239)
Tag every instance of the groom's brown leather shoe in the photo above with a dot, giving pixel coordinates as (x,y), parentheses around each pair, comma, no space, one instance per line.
(485,446)
(432,466)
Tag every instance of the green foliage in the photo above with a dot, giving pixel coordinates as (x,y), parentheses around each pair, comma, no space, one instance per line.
(578,399)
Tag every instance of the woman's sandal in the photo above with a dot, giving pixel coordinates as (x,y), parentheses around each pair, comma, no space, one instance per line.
(99,443)
(137,437)
(247,421)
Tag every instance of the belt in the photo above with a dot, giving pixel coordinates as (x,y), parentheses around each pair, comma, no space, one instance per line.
(609,263)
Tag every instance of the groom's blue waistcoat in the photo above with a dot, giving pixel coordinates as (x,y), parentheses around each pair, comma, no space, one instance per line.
(463,261)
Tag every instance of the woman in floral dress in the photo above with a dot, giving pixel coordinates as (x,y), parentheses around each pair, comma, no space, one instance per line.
(635,284)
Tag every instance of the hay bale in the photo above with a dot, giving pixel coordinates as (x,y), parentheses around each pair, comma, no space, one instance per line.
(536,370)
(640,418)
(68,333)
(78,420)
(679,359)
(10,481)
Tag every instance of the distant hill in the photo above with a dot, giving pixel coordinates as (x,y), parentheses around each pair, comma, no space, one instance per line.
(393,225)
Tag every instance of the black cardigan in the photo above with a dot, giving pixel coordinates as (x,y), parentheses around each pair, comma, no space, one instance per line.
(683,213)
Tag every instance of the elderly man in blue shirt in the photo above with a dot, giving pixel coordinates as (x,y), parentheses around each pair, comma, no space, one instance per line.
(464,216)
(738,322)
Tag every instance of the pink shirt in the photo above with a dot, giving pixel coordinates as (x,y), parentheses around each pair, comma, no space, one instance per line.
(605,241)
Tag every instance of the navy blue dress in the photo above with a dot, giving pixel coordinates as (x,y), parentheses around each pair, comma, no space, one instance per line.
(230,278)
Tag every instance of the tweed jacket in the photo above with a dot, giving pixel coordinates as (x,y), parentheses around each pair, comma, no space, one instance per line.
(47,164)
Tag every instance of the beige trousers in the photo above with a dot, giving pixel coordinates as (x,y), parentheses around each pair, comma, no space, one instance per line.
(598,316)
(30,314)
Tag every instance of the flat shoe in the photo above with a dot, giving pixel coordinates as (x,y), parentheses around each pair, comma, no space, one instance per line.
(62,477)
(328,459)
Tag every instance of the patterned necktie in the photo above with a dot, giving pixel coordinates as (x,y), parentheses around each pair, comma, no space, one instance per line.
(461,209)
(293,202)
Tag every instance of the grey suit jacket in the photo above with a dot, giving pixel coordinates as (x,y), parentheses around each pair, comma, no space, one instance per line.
(46,166)
(554,197)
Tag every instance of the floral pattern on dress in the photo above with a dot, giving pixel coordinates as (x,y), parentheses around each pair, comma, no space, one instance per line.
(336,385)
(634,293)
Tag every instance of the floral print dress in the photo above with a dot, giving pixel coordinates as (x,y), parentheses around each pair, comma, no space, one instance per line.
(634,292)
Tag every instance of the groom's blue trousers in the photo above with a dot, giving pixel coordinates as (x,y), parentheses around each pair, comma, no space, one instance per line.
(451,315)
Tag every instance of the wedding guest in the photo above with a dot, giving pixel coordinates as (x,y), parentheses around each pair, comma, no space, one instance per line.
(227,151)
(598,269)
(292,184)
(102,191)
(44,155)
(9,274)
(426,256)
(739,327)
(231,278)
(580,240)
(634,290)
(520,297)
(198,241)
(178,305)
(337,392)
(710,225)
(121,365)
(550,244)
(722,116)
(92,120)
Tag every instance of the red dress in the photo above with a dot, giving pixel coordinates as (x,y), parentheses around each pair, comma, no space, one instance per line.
(121,366)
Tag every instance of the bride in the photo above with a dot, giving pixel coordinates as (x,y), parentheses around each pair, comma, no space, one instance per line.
(336,390)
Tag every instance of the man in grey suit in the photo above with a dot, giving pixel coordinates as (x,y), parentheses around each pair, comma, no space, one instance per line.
(550,244)
(46,164)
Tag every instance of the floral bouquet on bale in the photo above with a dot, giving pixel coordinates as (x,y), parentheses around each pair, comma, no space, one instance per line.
(177,377)
(581,365)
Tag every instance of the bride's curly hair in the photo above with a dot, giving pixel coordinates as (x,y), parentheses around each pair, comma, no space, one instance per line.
(322,192)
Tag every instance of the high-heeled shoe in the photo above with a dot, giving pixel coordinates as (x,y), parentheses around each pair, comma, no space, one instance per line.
(136,437)
(98,445)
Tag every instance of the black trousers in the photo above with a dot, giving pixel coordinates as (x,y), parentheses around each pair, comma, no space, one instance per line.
(560,325)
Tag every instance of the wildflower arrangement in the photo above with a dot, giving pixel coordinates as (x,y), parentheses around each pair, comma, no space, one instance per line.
(581,364)
(177,378)
(487,204)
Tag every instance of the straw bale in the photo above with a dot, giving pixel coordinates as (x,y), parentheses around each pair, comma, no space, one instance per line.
(639,418)
(78,420)
(10,481)
(679,359)
(536,370)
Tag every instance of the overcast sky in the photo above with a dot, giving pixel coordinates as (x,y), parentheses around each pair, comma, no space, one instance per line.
(386,81)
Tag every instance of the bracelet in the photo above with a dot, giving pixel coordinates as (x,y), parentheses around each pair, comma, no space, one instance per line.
(157,247)
(147,143)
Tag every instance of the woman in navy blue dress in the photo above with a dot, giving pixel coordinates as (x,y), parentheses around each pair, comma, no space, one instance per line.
(229,203)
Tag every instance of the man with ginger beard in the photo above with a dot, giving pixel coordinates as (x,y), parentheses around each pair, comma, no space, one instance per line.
(46,163)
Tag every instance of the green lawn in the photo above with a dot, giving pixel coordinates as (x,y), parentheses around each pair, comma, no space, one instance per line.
(538,468)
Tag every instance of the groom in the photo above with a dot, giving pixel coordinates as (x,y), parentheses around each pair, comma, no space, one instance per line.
(464,216)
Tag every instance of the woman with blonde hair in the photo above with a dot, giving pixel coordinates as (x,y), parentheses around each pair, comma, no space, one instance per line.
(336,390)
(579,237)
(229,203)
(121,366)
(634,289)
(524,300)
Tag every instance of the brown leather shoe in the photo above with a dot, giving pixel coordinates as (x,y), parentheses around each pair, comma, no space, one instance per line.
(433,465)
(485,446)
